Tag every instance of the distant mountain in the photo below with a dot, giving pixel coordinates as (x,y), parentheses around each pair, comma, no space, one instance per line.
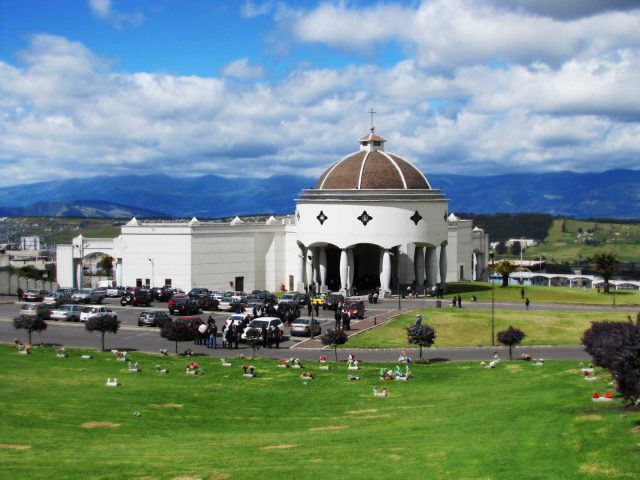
(611,194)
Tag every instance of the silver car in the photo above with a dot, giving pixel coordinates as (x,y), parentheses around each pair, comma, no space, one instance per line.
(69,312)
(39,309)
(305,327)
(89,312)
(87,295)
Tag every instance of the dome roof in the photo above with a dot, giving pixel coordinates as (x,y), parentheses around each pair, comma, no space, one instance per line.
(372,169)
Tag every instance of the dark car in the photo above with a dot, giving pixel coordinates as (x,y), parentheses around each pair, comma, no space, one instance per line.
(162,294)
(155,318)
(332,300)
(283,308)
(355,308)
(265,295)
(183,305)
(136,298)
(202,296)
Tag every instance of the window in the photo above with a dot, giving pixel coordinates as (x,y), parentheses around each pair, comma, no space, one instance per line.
(147,282)
(376,144)
(239,284)
(138,282)
(461,272)
(364,144)
(167,282)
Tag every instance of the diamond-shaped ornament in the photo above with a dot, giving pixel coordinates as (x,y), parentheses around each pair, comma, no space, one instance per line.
(416,217)
(365,218)
(322,217)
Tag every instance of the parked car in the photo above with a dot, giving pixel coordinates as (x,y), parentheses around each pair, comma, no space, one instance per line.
(183,305)
(59,297)
(355,308)
(266,322)
(283,308)
(193,322)
(87,295)
(38,309)
(34,295)
(238,319)
(305,327)
(69,312)
(202,296)
(258,305)
(318,299)
(332,300)
(89,312)
(137,298)
(153,318)
(264,295)
(115,292)
(162,294)
(299,299)
(227,304)
(101,290)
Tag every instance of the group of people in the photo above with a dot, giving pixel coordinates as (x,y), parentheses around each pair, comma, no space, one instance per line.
(342,318)
(456,301)
(374,295)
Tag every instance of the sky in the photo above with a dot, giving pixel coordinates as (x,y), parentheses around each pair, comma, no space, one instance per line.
(260,88)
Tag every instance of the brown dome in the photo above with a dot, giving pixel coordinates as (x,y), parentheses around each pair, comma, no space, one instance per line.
(372,169)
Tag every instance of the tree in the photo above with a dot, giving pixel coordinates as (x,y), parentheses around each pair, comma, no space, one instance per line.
(505,268)
(615,346)
(516,248)
(103,324)
(335,338)
(501,249)
(177,332)
(254,339)
(510,337)
(606,264)
(422,335)
(106,265)
(30,323)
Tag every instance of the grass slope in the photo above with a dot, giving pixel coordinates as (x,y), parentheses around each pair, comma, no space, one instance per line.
(451,421)
(472,328)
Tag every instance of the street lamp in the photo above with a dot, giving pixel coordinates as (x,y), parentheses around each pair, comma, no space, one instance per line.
(493,299)
(152,273)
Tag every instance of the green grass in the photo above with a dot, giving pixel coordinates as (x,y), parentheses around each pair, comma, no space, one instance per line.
(450,421)
(539,294)
(472,327)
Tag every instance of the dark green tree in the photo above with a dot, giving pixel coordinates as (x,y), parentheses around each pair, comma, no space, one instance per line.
(606,264)
(516,248)
(421,335)
(335,338)
(510,337)
(30,323)
(106,265)
(501,249)
(177,332)
(103,324)
(254,339)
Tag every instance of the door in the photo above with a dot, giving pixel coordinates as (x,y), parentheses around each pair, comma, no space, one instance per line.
(239,284)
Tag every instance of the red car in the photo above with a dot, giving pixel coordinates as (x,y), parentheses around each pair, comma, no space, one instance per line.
(355,308)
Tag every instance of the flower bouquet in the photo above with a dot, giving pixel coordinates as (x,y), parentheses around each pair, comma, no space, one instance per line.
(607,397)
(120,356)
(248,371)
(61,353)
(308,376)
(295,363)
(193,368)
(379,392)
(283,364)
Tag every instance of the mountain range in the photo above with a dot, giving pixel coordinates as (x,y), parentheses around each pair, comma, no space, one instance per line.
(610,194)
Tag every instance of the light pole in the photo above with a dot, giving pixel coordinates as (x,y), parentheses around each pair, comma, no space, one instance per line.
(493,299)
(152,273)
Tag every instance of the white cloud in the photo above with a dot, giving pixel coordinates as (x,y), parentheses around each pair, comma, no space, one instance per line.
(104,10)
(242,69)
(256,9)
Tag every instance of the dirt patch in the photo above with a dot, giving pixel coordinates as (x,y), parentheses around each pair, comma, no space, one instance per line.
(394,457)
(278,447)
(327,428)
(513,368)
(589,418)
(166,405)
(100,425)
(595,469)
(572,371)
(636,430)
(369,410)
(14,446)
(316,461)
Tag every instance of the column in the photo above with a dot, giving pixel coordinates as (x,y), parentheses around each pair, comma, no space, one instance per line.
(309,264)
(322,266)
(432,266)
(443,267)
(385,273)
(418,266)
(79,274)
(343,271)
(351,269)
(380,257)
(119,273)
(300,268)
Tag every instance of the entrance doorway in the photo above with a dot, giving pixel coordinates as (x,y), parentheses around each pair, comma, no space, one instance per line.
(366,260)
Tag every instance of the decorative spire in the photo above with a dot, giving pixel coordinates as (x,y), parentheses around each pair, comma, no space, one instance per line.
(371,112)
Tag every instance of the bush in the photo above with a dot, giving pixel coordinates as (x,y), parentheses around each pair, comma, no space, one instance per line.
(103,324)
(177,332)
(30,323)
(510,337)
(422,335)
(335,338)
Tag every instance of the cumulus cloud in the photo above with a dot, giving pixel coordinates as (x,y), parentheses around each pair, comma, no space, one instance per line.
(242,69)
(104,10)
(64,112)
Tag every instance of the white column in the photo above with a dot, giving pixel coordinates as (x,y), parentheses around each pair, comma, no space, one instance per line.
(79,274)
(300,268)
(418,266)
(344,263)
(443,267)
(432,266)
(385,274)
(380,268)
(119,272)
(322,263)
(351,269)
(309,264)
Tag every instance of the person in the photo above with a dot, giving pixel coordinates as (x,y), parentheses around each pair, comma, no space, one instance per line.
(346,320)
(212,331)
(418,320)
(276,337)
(371,296)
(235,333)
(522,292)
(265,336)
(228,337)
(309,306)
(255,311)
(459,301)
(20,294)
(270,336)
(526,304)
(474,298)
(337,316)
(316,307)
(375,296)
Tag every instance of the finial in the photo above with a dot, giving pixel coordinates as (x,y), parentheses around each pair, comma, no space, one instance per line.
(371,112)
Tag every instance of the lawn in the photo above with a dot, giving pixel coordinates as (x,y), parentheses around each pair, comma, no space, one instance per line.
(538,294)
(468,327)
(451,420)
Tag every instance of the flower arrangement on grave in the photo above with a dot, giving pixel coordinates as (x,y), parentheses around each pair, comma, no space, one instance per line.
(404,358)
(606,397)
(248,369)
(491,364)
(120,356)
(187,353)
(379,392)
(61,352)
(193,368)
(526,357)
(386,374)
(323,358)
(308,376)
(295,363)
(283,363)
(24,348)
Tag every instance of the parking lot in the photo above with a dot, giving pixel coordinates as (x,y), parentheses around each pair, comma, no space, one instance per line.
(132,337)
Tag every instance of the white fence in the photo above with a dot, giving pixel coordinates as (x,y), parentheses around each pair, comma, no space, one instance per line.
(9,283)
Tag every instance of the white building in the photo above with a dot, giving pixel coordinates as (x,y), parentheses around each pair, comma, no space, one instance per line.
(372,219)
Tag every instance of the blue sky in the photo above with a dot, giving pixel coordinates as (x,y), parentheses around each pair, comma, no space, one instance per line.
(255,88)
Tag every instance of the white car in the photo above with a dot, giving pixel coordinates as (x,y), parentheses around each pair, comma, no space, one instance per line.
(237,319)
(87,295)
(69,312)
(266,322)
(90,312)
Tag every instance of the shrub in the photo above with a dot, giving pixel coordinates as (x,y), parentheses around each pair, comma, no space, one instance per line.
(177,332)
(103,324)
(30,323)
(335,338)
(510,337)
(422,335)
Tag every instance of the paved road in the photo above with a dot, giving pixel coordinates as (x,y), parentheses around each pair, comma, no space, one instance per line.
(131,337)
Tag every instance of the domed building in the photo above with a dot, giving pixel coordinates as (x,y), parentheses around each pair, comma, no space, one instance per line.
(371,220)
